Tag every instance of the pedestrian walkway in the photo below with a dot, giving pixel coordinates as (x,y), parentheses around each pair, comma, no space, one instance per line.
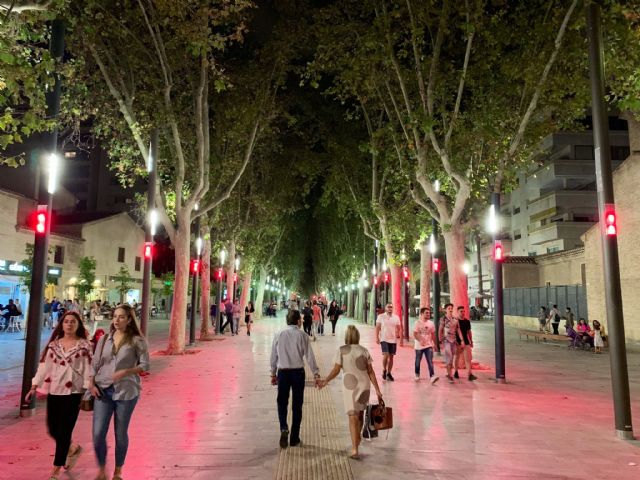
(212,415)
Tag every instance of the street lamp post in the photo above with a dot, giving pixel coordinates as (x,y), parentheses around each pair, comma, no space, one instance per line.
(498,307)
(194,287)
(43,229)
(150,230)
(435,279)
(608,231)
(405,297)
(218,320)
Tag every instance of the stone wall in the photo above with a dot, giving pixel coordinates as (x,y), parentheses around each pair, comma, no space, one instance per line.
(625,180)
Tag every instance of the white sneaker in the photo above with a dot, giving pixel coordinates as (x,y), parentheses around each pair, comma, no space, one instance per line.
(434,379)
(417,379)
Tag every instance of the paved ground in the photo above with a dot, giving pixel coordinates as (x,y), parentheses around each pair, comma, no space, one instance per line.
(212,414)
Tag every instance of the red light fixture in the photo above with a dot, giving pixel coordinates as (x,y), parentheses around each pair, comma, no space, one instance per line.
(41,220)
(436,265)
(219,274)
(498,252)
(148,250)
(235,278)
(610,220)
(386,278)
(405,272)
(375,280)
(195,266)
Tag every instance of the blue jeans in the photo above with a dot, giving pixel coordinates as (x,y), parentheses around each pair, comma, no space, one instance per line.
(121,410)
(428,354)
(291,380)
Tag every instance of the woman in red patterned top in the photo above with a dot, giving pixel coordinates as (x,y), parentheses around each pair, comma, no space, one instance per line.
(63,374)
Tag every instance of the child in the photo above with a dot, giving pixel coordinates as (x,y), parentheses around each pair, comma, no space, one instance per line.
(598,332)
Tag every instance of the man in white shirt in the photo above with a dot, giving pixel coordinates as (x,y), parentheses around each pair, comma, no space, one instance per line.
(424,334)
(388,329)
(289,350)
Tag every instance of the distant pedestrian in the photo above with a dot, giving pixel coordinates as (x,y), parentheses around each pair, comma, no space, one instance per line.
(236,317)
(248,316)
(228,311)
(424,334)
(63,374)
(542,318)
(598,334)
(465,345)
(357,365)
(289,350)
(448,337)
(122,355)
(388,329)
(307,319)
(334,314)
(317,318)
(569,319)
(554,318)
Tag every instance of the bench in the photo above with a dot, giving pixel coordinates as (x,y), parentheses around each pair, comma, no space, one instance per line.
(537,336)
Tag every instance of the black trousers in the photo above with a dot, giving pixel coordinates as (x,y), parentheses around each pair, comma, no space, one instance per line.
(333,325)
(228,322)
(307,327)
(291,380)
(62,413)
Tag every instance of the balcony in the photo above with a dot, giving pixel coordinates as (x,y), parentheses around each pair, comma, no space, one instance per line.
(555,203)
(564,174)
(558,230)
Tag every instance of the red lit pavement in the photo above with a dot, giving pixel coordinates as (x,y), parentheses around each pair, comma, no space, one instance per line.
(212,415)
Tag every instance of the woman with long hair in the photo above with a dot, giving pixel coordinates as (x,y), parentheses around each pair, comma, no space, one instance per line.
(121,356)
(249,310)
(334,314)
(357,366)
(63,374)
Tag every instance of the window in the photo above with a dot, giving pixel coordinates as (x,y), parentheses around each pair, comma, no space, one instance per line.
(583,273)
(475,268)
(138,260)
(58,255)
(120,254)
(584,152)
(619,153)
(532,254)
(553,249)
(517,236)
(516,210)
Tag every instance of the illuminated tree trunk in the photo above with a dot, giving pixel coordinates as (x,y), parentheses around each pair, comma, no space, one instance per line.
(454,240)
(230,269)
(246,289)
(177,325)
(262,281)
(205,289)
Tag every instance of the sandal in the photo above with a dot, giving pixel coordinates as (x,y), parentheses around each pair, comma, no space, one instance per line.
(354,456)
(72,458)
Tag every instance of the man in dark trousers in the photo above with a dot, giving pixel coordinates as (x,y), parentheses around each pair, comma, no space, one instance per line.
(228,310)
(289,349)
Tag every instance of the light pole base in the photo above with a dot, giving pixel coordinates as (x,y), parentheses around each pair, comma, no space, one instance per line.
(501,381)
(27,412)
(625,434)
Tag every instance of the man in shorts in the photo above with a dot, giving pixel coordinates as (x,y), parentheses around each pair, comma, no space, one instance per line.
(449,330)
(387,331)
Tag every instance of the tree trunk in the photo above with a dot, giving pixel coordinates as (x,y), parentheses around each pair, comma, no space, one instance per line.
(425,275)
(205,289)
(454,241)
(230,269)
(396,293)
(177,326)
(246,289)
(262,281)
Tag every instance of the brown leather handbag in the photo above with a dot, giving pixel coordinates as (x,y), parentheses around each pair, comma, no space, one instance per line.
(381,416)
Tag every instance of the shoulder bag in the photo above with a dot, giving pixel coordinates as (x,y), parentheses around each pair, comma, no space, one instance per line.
(86,404)
(381,416)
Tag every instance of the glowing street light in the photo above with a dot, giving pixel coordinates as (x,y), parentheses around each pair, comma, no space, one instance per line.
(53,168)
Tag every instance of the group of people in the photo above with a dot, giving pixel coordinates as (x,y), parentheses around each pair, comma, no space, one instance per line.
(314,314)
(11,309)
(72,367)
(232,311)
(582,332)
(291,347)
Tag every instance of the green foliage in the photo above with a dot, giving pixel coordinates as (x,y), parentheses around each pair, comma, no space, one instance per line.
(27,263)
(168,279)
(123,282)
(86,277)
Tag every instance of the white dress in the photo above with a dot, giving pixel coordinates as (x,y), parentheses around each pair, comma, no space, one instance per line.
(597,339)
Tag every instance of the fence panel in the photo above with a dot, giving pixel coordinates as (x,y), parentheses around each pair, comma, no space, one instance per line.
(527,301)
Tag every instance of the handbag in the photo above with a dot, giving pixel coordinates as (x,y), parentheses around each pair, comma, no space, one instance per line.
(87,401)
(381,416)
